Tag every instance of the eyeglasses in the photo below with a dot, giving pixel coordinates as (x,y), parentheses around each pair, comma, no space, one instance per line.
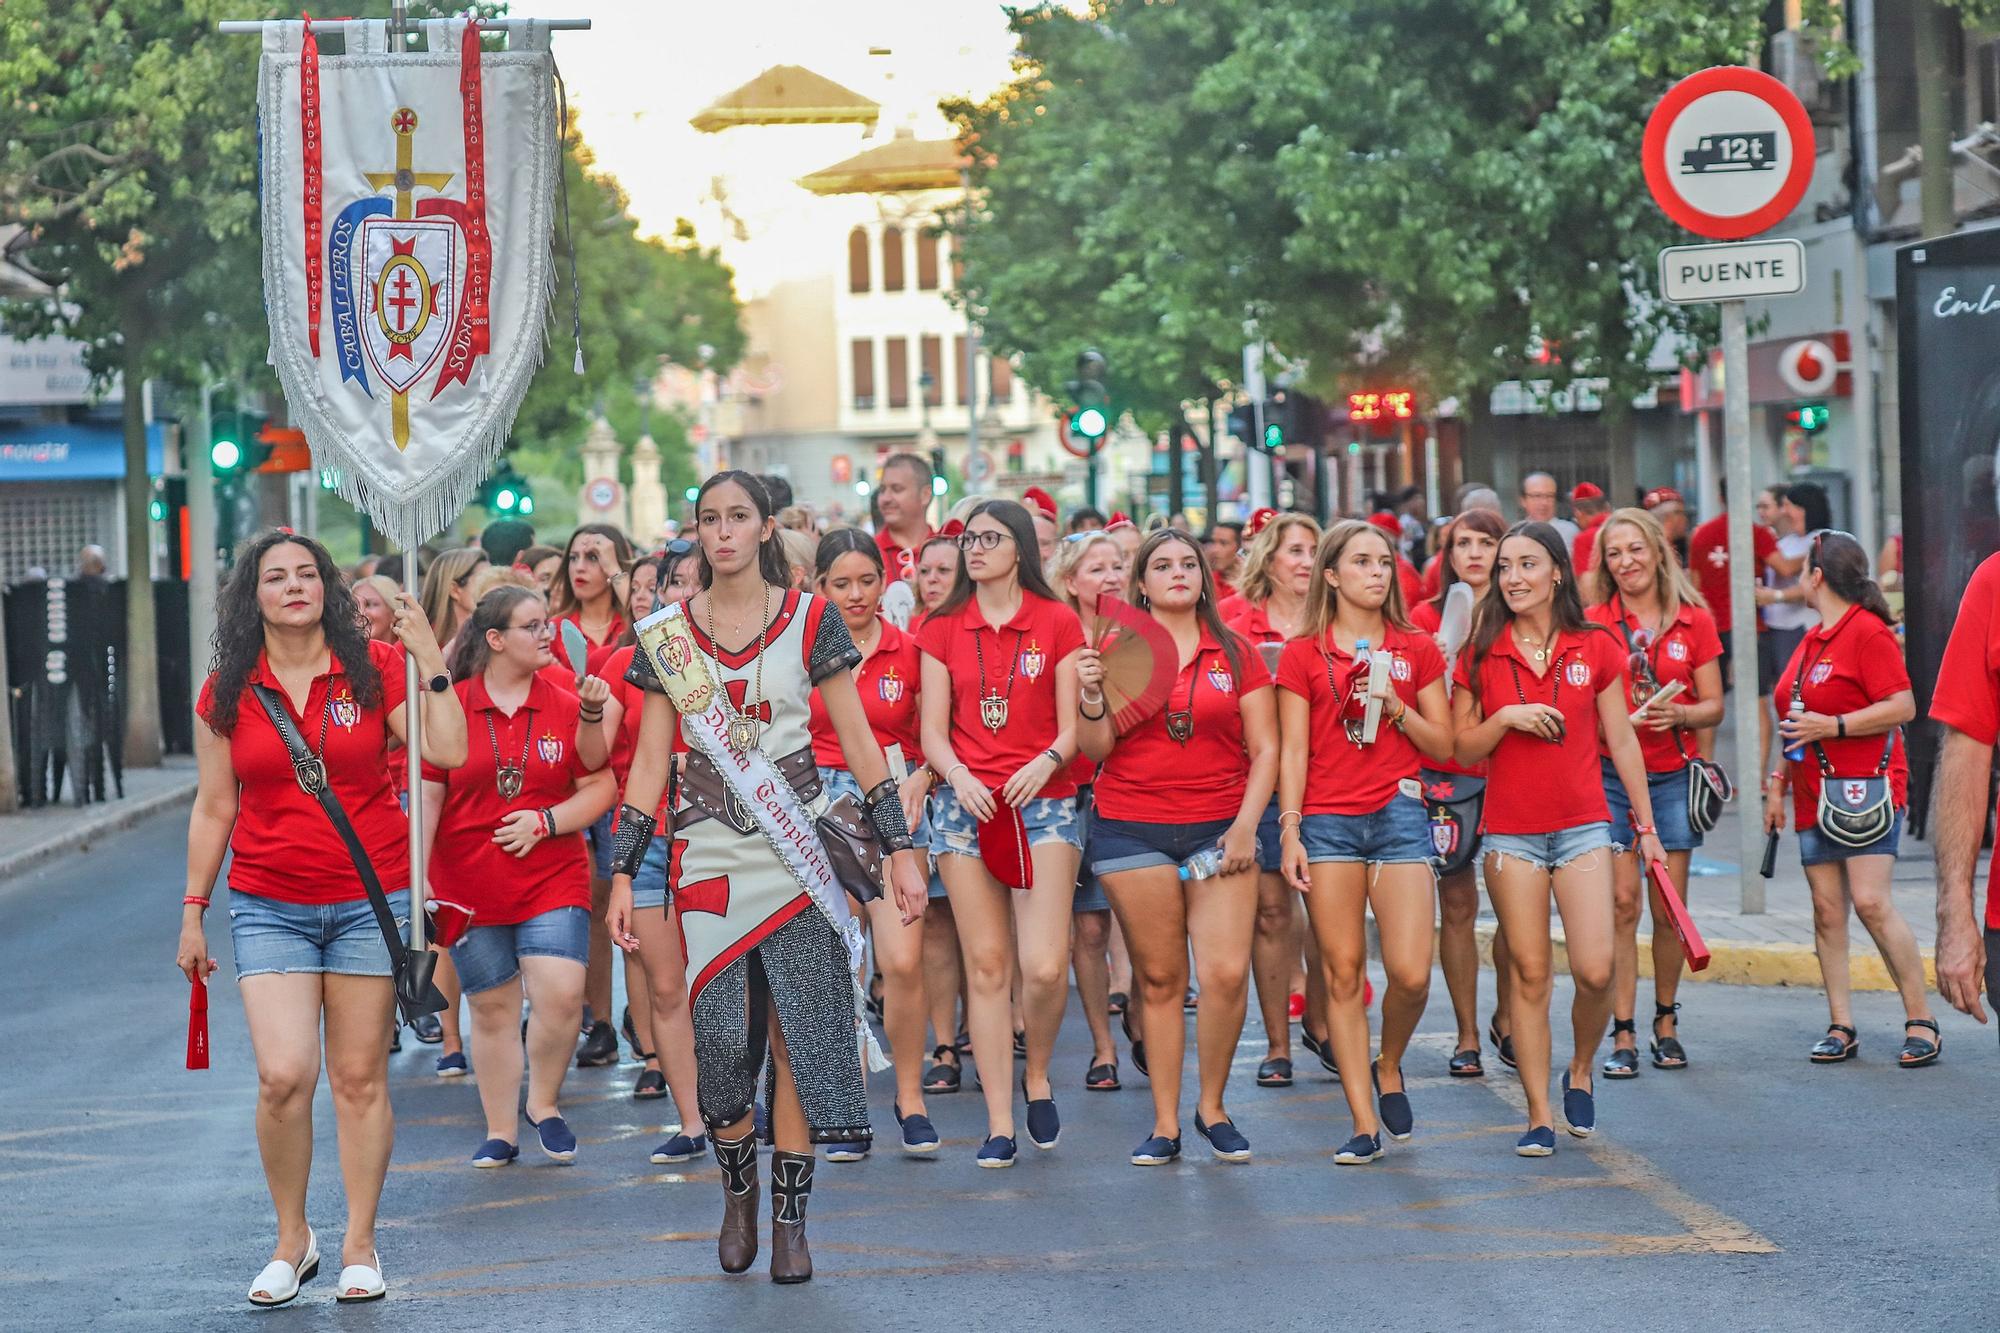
(981,541)
(535,628)
(1821,535)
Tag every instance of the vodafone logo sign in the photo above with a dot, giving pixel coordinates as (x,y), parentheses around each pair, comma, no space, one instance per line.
(1815,367)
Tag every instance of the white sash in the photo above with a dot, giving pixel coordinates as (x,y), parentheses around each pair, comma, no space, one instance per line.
(759,788)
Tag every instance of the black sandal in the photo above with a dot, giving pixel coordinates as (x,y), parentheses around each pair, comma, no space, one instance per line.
(1102,1078)
(1275,1072)
(1623,1061)
(1668,1053)
(1917,1052)
(1831,1049)
(1504,1045)
(1465,1064)
(1020,1045)
(1116,1004)
(941,1077)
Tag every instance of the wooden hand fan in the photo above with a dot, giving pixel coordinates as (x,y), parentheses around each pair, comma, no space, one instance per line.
(1140,661)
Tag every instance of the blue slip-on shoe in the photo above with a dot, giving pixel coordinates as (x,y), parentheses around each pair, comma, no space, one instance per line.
(679,1148)
(452,1066)
(851,1150)
(1537,1142)
(1157,1151)
(1044,1124)
(557,1142)
(920,1137)
(997,1151)
(495,1152)
(1579,1110)
(1224,1140)
(1394,1107)
(1360,1150)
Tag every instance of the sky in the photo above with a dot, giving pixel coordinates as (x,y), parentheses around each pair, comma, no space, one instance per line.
(647,66)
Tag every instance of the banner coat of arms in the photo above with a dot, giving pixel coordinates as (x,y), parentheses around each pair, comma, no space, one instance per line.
(407,258)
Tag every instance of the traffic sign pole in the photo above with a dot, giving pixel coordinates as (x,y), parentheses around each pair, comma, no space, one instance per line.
(1743,604)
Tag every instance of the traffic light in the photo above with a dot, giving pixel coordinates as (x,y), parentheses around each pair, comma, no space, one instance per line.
(1808,417)
(1090,416)
(235,448)
(507,494)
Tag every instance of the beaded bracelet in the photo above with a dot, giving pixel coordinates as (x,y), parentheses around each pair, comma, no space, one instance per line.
(192,901)
(548,821)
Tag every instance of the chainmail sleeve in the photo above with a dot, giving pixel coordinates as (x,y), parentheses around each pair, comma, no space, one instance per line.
(641,672)
(833,647)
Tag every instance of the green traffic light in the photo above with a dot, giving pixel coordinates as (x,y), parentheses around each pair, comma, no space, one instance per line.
(690,493)
(1354,446)
(1090,423)
(227,455)
(157,510)
(1274,436)
(527,505)
(505,499)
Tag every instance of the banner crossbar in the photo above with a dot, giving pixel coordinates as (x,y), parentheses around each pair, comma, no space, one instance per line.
(252,27)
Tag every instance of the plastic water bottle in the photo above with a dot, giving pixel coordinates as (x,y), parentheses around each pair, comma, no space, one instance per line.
(1796,753)
(1204,864)
(1355,709)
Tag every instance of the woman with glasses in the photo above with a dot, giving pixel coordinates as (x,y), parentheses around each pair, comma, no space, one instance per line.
(1277,575)
(1174,838)
(504,831)
(999,696)
(1843,700)
(849,573)
(1466,556)
(591,591)
(1352,822)
(1643,596)
(448,591)
(1538,685)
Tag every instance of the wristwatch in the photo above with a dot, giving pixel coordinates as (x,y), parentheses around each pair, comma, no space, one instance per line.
(438,684)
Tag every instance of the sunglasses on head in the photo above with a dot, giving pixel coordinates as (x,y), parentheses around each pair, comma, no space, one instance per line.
(678,547)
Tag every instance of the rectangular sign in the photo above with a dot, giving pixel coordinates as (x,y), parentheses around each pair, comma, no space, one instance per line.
(1695,274)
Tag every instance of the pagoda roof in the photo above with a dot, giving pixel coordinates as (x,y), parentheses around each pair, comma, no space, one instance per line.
(787,95)
(903,163)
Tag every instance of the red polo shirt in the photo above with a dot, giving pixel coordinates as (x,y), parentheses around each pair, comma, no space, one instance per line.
(887,680)
(1708,561)
(1967,697)
(899,561)
(1583,551)
(1856,663)
(1151,778)
(1690,642)
(1534,786)
(1426,617)
(466,865)
(630,698)
(1433,576)
(1343,778)
(1412,582)
(1020,662)
(283,844)
(598,652)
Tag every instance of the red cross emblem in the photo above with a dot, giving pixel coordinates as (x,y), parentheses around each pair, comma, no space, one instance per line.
(405,121)
(737,690)
(704,895)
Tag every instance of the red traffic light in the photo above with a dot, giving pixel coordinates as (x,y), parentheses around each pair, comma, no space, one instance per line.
(1382,405)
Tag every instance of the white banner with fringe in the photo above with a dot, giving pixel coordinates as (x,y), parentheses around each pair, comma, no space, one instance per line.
(407,222)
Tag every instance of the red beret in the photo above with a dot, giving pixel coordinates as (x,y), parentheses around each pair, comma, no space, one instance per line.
(1039,501)
(1663,495)
(1586,491)
(1119,519)
(952,528)
(1388,522)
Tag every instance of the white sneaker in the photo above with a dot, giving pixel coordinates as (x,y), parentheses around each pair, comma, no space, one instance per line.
(279,1282)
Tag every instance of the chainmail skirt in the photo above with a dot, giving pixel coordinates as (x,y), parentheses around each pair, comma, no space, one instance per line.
(800,970)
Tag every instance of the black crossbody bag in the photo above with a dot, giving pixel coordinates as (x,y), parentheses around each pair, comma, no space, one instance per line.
(416,994)
(1708,786)
(1854,812)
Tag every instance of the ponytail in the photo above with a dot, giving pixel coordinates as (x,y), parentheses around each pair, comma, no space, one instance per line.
(1844,566)
(469,653)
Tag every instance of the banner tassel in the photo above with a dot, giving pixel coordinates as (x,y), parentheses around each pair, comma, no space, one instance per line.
(569,237)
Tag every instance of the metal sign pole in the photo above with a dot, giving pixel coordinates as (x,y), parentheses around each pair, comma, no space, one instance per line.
(1743,602)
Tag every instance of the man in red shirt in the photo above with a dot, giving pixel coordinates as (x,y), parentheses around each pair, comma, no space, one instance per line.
(1967,703)
(1590,508)
(904,495)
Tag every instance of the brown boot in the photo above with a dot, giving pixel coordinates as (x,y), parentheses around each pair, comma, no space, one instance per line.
(791,1186)
(736,1246)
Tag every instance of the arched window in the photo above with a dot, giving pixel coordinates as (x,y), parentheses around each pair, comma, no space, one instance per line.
(927,261)
(857,260)
(892,259)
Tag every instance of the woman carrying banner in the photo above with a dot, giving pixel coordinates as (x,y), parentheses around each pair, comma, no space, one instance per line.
(505,833)
(849,572)
(1643,596)
(1470,544)
(308,945)
(1269,608)
(1090,565)
(1843,700)
(771,945)
(1174,838)
(999,722)
(1537,684)
(1352,819)
(591,592)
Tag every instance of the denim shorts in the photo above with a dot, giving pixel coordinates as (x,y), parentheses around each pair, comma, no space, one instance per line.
(649,886)
(491,956)
(1090,895)
(268,935)
(1816,849)
(1270,858)
(1550,851)
(1127,844)
(1670,809)
(599,838)
(1397,834)
(956,833)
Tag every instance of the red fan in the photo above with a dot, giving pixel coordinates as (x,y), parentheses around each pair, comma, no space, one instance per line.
(1693,947)
(197,1047)
(1140,660)
(1003,846)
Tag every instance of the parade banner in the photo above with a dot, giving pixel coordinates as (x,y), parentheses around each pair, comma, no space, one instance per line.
(407,207)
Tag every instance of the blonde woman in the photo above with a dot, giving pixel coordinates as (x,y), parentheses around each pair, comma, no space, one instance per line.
(449,596)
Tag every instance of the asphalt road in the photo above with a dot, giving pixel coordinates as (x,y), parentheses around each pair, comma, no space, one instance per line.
(1752,1191)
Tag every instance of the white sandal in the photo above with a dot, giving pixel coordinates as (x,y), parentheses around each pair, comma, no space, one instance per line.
(280,1281)
(363,1278)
